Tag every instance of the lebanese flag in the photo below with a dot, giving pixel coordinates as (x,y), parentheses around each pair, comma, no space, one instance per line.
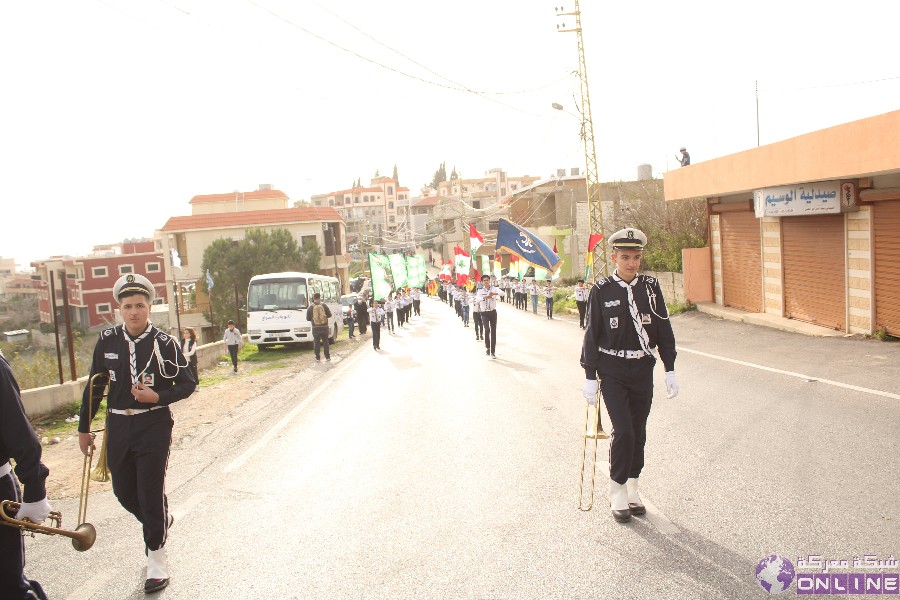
(445,270)
(462,264)
(589,261)
(475,238)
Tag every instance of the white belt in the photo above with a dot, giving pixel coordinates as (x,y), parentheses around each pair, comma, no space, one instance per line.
(625,353)
(132,411)
(5,469)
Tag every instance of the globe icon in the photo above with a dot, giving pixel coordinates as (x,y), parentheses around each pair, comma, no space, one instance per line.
(775,574)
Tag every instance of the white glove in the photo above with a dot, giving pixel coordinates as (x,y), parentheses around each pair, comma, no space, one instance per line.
(590,390)
(671,385)
(36,512)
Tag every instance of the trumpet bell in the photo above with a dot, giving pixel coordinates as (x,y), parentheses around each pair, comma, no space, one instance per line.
(84,537)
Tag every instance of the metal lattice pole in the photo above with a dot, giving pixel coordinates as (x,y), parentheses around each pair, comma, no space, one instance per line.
(592,179)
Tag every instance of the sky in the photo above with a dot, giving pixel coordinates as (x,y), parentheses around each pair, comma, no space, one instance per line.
(115,113)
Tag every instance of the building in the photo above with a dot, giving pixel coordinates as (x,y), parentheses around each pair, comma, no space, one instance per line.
(89,280)
(368,210)
(221,216)
(807,228)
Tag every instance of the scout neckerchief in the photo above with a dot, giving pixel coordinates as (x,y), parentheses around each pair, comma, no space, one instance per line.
(132,351)
(635,315)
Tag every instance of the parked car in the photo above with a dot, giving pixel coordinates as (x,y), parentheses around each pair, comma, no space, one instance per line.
(347,300)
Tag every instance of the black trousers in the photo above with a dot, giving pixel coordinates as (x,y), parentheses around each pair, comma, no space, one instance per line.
(233,350)
(320,340)
(376,335)
(627,385)
(417,304)
(389,320)
(549,302)
(582,309)
(137,454)
(479,328)
(13,584)
(489,329)
(193,366)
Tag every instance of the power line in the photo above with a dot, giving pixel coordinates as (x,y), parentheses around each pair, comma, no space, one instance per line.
(832,85)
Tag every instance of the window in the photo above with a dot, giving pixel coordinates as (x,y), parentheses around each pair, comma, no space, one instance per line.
(493,225)
(104,309)
(390,206)
(126,269)
(390,190)
(152,267)
(159,301)
(366,198)
(308,238)
(476,203)
(346,199)
(331,203)
(391,219)
(355,199)
(99,272)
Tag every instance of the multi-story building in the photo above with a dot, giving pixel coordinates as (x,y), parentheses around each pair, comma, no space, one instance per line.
(366,209)
(220,216)
(481,201)
(89,280)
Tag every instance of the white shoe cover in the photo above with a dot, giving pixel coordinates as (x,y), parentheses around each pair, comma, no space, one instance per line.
(633,496)
(157,565)
(618,496)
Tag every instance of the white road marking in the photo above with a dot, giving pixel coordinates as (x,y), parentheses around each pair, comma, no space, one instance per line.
(187,506)
(91,586)
(792,374)
(264,440)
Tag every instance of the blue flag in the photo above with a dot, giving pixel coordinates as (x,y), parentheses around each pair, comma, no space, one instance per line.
(529,247)
(209,281)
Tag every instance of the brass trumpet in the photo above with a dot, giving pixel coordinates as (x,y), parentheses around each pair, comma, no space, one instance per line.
(595,433)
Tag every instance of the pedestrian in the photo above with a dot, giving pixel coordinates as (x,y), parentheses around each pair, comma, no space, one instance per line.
(376,313)
(189,349)
(534,290)
(488,296)
(548,298)
(627,319)
(465,298)
(351,318)
(319,315)
(362,314)
(234,341)
(581,298)
(476,315)
(145,371)
(18,442)
(389,308)
(416,296)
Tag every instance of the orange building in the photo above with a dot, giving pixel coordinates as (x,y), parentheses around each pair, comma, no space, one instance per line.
(807,228)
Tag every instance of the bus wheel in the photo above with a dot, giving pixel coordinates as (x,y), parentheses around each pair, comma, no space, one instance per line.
(333,337)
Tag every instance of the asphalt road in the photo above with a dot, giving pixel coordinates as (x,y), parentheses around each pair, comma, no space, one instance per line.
(431,471)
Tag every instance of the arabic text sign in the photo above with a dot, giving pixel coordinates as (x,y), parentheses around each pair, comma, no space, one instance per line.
(806,199)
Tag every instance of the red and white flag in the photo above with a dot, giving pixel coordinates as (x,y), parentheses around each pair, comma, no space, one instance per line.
(462,263)
(475,238)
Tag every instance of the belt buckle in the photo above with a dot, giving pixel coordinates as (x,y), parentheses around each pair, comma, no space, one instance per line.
(129,411)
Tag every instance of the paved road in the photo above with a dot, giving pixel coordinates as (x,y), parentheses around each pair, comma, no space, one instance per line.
(430,471)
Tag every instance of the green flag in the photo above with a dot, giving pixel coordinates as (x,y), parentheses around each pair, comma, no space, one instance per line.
(398,269)
(415,270)
(485,265)
(379,266)
(540,274)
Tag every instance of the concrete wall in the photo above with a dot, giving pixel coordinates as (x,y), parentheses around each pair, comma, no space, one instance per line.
(671,284)
(48,399)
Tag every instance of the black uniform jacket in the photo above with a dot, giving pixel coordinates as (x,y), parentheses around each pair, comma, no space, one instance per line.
(17,438)
(111,358)
(610,326)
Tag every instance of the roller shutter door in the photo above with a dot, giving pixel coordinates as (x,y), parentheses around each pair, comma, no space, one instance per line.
(886,236)
(741,261)
(815,287)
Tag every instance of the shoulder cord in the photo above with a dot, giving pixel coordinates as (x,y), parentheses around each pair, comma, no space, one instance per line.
(162,361)
(652,296)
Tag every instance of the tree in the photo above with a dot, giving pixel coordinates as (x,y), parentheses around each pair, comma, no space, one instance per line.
(231,264)
(377,173)
(396,177)
(302,204)
(310,256)
(453,175)
(439,176)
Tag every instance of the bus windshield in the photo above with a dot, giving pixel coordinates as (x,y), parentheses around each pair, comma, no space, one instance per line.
(277,294)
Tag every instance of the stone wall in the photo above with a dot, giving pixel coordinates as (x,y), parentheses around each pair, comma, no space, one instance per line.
(671,284)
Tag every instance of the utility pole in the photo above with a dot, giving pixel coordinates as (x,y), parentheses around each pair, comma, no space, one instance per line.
(53,309)
(590,152)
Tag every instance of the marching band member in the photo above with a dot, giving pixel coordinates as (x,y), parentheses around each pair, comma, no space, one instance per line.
(581,298)
(487,297)
(627,318)
(476,315)
(18,441)
(376,314)
(146,372)
(534,291)
(548,298)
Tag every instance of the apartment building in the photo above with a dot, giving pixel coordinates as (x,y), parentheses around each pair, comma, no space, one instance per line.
(366,209)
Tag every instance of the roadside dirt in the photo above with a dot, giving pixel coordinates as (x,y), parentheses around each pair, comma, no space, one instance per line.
(66,462)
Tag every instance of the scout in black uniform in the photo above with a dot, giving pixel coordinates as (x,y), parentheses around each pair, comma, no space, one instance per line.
(146,371)
(18,441)
(627,318)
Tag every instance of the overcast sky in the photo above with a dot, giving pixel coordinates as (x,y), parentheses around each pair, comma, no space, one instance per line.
(114,113)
